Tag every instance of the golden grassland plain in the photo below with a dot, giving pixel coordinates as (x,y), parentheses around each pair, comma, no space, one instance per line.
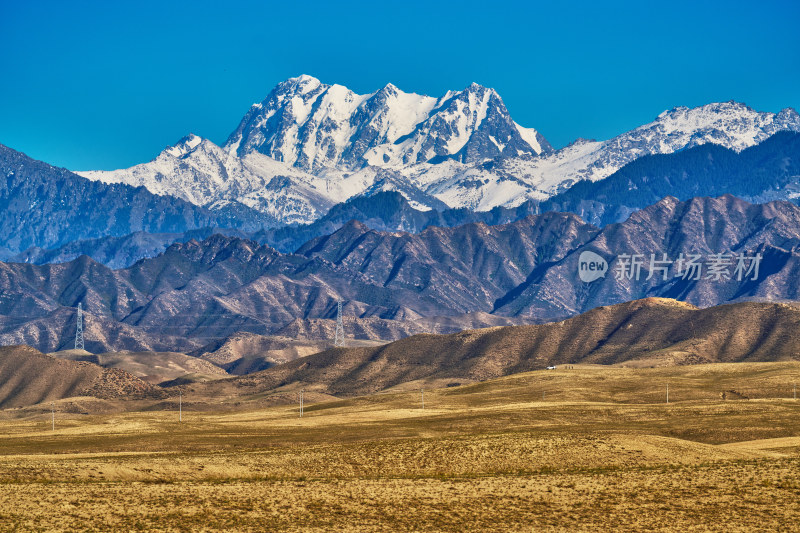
(591,448)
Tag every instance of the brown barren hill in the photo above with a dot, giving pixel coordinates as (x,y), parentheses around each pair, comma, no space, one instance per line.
(648,332)
(152,367)
(28,377)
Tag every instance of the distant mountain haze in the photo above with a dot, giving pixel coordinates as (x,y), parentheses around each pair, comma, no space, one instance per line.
(45,206)
(385,211)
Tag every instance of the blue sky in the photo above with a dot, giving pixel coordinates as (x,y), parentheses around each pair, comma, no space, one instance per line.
(103,85)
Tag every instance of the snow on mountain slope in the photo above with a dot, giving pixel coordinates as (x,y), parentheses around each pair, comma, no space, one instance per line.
(176,170)
(199,171)
(534,139)
(729,124)
(509,181)
(311,125)
(309,145)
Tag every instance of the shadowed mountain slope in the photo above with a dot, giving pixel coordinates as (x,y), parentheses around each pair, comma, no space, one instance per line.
(197,293)
(383,211)
(46,207)
(704,226)
(761,173)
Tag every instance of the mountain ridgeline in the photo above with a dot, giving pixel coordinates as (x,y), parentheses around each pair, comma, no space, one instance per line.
(765,172)
(47,207)
(761,173)
(526,270)
(309,145)
(314,125)
(49,213)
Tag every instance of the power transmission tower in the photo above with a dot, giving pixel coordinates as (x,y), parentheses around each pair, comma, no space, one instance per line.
(338,340)
(79,331)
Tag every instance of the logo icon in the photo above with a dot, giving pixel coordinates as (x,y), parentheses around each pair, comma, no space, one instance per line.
(591,267)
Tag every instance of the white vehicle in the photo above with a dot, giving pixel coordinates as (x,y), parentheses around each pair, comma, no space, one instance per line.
(553,367)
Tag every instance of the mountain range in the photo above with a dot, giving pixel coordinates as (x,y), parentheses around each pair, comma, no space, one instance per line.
(421,214)
(299,162)
(196,293)
(308,146)
(47,207)
(764,172)
(761,173)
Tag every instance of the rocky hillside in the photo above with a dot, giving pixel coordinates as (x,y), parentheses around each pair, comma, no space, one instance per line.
(650,254)
(394,284)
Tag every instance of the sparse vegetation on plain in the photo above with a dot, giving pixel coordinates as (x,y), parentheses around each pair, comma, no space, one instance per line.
(602,451)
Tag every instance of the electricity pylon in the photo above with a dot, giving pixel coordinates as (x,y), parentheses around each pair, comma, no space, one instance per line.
(338,340)
(79,330)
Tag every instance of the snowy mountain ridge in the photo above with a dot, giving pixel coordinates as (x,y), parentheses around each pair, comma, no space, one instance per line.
(312,125)
(309,145)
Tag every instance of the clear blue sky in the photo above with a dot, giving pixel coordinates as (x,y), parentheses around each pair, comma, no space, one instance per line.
(103,85)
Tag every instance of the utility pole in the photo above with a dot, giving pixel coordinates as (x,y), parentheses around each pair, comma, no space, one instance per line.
(301,403)
(53,414)
(180,406)
(79,330)
(667,392)
(422,392)
(338,339)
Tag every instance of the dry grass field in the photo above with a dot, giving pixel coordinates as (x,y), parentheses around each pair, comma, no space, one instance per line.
(592,448)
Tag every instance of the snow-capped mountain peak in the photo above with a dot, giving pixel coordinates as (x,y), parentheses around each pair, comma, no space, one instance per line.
(312,126)
(731,124)
(309,145)
(470,126)
(184,146)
